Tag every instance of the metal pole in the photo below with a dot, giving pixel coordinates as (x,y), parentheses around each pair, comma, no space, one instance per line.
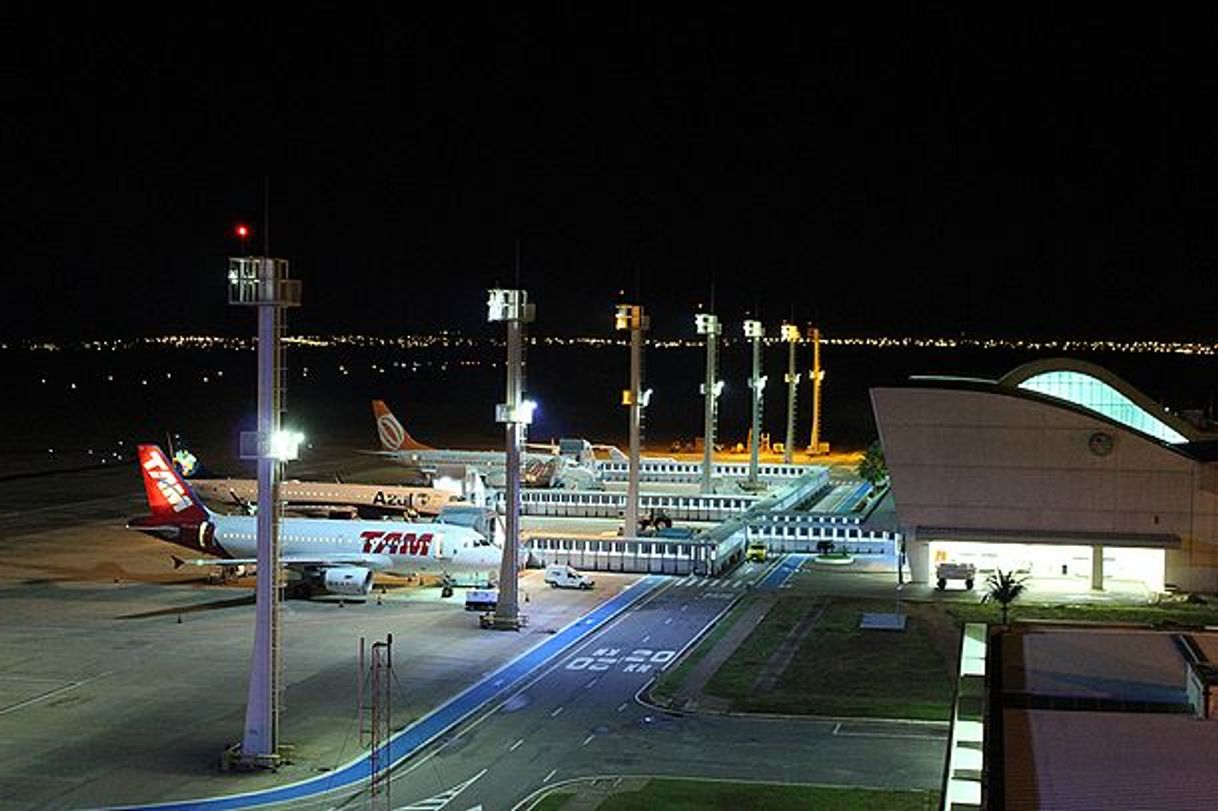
(708,325)
(263,282)
(507,610)
(631,317)
(753,330)
(817,376)
(511,307)
(632,484)
(261,739)
(790,334)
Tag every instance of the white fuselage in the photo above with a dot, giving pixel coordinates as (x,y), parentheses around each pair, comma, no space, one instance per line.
(425,500)
(393,547)
(477,459)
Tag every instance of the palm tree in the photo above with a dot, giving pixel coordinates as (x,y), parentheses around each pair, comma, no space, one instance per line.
(1003,588)
(872,466)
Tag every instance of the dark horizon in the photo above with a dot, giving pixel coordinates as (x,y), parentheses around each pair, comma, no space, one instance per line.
(946,172)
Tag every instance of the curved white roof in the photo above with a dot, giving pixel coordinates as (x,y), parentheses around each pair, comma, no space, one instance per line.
(1096,389)
(1096,395)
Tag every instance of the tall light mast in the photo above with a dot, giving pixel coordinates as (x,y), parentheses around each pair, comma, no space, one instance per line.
(263,282)
(818,375)
(790,334)
(631,317)
(755,332)
(512,307)
(708,325)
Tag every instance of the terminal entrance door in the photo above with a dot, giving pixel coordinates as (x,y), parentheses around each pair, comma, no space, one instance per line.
(1053,561)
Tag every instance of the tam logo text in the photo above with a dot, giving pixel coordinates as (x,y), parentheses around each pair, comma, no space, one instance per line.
(397,543)
(166,481)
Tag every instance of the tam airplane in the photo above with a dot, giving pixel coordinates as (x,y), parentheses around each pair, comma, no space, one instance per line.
(538,469)
(338,556)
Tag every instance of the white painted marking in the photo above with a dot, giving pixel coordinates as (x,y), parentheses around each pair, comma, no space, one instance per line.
(49,693)
(836,727)
(546,779)
(516,745)
(667,621)
(589,684)
(890,736)
(444,797)
(587,740)
(647,637)
(556,712)
(619,709)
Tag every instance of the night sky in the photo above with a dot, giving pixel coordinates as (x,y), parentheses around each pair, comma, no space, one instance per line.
(938,171)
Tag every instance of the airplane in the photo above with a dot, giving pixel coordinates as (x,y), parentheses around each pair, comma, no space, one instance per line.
(339,557)
(545,469)
(330,498)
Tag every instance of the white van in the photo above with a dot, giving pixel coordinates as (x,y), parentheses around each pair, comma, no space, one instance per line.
(481,599)
(560,575)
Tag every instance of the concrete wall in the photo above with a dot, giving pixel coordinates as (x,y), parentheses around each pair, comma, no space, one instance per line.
(991,460)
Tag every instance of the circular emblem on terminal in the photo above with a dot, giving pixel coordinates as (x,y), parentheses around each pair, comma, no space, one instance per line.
(391,432)
(1100,443)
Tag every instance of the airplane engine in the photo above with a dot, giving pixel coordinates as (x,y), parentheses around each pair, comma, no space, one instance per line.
(350,581)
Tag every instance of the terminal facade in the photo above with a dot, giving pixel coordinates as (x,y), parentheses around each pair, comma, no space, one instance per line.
(1060,469)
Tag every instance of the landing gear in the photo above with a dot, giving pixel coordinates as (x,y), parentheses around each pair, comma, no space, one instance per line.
(446,587)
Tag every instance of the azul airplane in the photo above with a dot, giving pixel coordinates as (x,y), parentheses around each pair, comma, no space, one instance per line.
(367,500)
(338,556)
(546,468)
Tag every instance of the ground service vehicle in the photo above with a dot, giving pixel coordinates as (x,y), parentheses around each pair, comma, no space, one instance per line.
(955,571)
(756,551)
(560,575)
(481,599)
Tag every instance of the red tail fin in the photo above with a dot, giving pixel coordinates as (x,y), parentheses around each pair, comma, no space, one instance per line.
(393,436)
(169,497)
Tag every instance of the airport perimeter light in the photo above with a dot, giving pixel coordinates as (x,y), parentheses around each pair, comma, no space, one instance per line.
(631,317)
(708,324)
(285,445)
(511,307)
(790,334)
(755,332)
(264,283)
(817,377)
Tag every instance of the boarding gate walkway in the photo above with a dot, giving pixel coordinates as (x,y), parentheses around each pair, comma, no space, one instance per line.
(708,553)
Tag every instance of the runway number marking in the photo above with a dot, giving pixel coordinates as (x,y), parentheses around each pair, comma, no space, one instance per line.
(639,660)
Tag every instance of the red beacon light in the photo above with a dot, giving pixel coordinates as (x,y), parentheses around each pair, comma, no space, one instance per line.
(243,231)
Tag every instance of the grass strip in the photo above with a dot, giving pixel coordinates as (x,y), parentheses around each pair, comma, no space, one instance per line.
(696,795)
(839,669)
(1171,614)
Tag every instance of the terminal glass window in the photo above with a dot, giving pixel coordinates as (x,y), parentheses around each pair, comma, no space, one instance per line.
(1096,395)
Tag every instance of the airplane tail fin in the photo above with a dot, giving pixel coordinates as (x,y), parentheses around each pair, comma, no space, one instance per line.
(394,437)
(169,497)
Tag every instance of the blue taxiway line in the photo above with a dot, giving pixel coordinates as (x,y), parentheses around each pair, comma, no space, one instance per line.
(429,727)
(856,495)
(781,573)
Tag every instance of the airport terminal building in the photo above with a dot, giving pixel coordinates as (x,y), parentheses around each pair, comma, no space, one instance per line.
(1059,468)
